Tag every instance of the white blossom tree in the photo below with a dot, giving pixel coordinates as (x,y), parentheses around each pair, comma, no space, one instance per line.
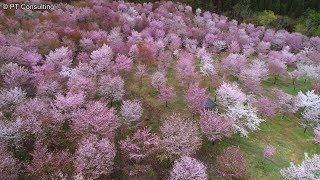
(188,168)
(311,104)
(244,118)
(308,169)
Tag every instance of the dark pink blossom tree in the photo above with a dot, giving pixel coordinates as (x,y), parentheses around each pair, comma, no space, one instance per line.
(316,87)
(188,168)
(232,163)
(215,126)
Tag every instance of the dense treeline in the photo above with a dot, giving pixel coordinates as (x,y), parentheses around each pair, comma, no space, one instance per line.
(292,8)
(293,15)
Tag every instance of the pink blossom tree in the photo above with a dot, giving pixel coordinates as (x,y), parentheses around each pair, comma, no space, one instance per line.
(263,47)
(316,87)
(286,103)
(215,126)
(35,113)
(269,151)
(196,98)
(141,145)
(47,165)
(165,59)
(233,64)
(188,168)
(111,88)
(180,136)
(277,68)
(122,63)
(131,111)
(232,163)
(76,84)
(265,107)
(141,71)
(250,80)
(10,98)
(97,119)
(101,58)
(167,93)
(69,102)
(234,47)
(158,80)
(8,164)
(15,75)
(185,70)
(94,157)
(59,57)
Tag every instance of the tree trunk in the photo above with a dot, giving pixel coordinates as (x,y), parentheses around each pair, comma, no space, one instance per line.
(282,116)
(305,129)
(216,4)
(305,80)
(221,5)
(275,80)
(192,116)
(166,103)
(140,82)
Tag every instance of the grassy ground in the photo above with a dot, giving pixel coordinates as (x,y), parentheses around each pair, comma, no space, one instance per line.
(286,135)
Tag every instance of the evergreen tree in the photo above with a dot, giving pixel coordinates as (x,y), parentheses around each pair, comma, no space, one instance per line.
(276,6)
(297,8)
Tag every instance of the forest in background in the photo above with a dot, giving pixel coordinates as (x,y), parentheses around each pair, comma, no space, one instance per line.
(293,15)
